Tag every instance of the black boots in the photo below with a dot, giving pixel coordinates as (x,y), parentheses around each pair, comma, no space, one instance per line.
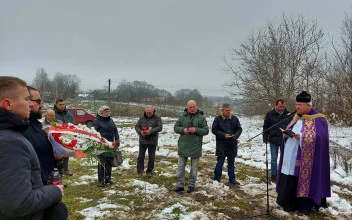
(101,183)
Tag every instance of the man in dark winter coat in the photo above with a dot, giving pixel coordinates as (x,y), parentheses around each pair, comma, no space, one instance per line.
(227,129)
(38,137)
(22,194)
(192,126)
(148,128)
(63,115)
(104,124)
(274,136)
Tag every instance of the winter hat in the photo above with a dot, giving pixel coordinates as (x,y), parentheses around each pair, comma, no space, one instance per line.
(303,97)
(103,108)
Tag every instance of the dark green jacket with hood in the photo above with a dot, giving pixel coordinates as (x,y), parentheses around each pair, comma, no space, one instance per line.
(190,145)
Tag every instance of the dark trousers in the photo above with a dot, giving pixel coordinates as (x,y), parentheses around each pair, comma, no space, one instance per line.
(56,212)
(151,157)
(104,169)
(287,196)
(60,166)
(65,163)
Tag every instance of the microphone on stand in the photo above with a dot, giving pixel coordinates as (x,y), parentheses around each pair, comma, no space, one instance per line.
(288,114)
(292,113)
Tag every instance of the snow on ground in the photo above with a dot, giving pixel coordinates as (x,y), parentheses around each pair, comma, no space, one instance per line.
(251,152)
(169,213)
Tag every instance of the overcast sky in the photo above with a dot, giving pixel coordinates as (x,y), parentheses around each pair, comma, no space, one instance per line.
(171,44)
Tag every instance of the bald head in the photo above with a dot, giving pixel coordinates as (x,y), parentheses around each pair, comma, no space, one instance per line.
(191,107)
(50,114)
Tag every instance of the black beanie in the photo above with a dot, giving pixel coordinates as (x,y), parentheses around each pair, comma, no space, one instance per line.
(303,97)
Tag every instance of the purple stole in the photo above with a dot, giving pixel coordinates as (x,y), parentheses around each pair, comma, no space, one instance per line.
(305,153)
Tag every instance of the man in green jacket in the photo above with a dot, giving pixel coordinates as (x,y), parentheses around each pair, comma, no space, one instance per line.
(191,126)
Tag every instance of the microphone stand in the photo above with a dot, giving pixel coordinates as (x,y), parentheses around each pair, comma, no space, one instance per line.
(289,114)
(267,213)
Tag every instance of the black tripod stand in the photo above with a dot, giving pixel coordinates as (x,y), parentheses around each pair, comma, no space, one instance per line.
(267,213)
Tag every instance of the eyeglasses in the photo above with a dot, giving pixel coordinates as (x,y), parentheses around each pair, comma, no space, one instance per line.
(39,101)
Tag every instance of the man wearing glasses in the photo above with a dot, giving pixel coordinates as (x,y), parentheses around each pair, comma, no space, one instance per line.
(38,137)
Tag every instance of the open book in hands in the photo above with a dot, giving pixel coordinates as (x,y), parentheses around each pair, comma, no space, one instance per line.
(288,132)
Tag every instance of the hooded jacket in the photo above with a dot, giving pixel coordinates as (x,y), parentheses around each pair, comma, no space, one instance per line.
(22,194)
(154,124)
(190,145)
(63,116)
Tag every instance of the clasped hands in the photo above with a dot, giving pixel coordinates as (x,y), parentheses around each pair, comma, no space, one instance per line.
(230,136)
(190,130)
(145,133)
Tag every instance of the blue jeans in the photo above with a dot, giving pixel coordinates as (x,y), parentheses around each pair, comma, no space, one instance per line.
(181,165)
(230,168)
(274,151)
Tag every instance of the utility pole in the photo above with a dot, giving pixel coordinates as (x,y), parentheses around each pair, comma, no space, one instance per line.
(109,81)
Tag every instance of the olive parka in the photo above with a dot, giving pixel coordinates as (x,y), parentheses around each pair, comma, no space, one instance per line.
(190,145)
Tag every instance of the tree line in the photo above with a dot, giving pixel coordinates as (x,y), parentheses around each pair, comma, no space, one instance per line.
(288,56)
(143,92)
(67,86)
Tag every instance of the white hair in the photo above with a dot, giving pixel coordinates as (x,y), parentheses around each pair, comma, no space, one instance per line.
(149,107)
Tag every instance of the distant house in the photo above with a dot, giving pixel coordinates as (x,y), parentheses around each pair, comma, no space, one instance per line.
(153,99)
(83,96)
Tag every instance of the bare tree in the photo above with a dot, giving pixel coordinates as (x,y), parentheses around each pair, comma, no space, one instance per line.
(136,91)
(65,85)
(183,95)
(42,82)
(276,62)
(72,86)
(340,77)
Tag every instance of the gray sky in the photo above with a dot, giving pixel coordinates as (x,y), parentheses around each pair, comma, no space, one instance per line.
(171,44)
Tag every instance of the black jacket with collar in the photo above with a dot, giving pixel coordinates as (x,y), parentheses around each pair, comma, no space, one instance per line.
(274,135)
(221,127)
(154,124)
(42,146)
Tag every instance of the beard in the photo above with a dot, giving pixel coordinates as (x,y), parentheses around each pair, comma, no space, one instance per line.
(36,115)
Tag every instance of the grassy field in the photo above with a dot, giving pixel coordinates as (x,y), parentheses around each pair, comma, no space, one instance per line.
(131,197)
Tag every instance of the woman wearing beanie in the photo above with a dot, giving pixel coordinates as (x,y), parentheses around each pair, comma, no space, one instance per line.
(107,129)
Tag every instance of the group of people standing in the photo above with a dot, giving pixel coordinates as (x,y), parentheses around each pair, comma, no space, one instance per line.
(302,176)
(191,126)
